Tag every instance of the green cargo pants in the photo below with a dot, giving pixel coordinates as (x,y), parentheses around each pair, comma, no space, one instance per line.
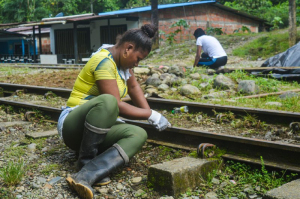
(102,112)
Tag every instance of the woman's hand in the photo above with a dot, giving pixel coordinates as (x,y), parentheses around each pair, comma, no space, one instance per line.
(158,121)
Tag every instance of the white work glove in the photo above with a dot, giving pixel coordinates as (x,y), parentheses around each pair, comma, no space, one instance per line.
(158,121)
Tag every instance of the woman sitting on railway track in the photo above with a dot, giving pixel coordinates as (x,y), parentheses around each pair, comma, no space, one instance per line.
(90,123)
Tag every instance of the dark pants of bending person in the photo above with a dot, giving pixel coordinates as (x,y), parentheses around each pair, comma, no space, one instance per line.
(213,63)
(102,112)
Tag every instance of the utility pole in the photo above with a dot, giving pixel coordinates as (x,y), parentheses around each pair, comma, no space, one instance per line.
(154,20)
(292,23)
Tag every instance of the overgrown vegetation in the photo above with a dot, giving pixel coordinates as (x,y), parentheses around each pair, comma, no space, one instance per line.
(13,172)
(237,179)
(265,46)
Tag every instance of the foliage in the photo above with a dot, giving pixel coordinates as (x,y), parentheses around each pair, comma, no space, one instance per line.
(264,9)
(265,46)
(276,22)
(214,31)
(242,29)
(23,10)
(13,172)
(179,25)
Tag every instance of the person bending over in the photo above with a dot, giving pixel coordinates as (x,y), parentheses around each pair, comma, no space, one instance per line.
(213,54)
(90,124)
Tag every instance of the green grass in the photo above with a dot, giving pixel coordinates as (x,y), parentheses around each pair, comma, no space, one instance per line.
(8,70)
(13,172)
(235,177)
(266,85)
(49,168)
(265,46)
(245,176)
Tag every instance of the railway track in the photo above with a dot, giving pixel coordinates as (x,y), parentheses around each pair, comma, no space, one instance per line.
(277,155)
(270,116)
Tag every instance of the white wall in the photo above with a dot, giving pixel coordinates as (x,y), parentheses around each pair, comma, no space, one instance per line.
(94,30)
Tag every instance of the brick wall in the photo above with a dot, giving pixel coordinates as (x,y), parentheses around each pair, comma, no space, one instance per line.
(199,16)
(45,44)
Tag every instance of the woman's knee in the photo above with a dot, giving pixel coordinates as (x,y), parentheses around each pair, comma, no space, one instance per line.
(138,133)
(109,100)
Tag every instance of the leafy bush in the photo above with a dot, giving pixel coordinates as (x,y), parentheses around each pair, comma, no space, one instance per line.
(179,24)
(214,31)
(243,29)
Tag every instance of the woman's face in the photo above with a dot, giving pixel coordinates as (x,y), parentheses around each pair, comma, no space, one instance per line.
(133,57)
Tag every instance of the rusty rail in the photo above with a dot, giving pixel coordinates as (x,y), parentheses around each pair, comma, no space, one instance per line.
(267,115)
(277,155)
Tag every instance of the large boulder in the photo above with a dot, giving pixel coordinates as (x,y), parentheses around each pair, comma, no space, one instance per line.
(195,76)
(178,71)
(154,81)
(223,82)
(248,87)
(141,71)
(189,89)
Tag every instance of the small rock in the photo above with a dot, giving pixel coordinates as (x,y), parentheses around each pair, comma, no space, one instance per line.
(139,193)
(195,76)
(136,180)
(31,147)
(166,197)
(41,180)
(189,89)
(47,186)
(274,103)
(55,180)
(102,190)
(119,186)
(268,135)
(252,196)
(12,130)
(211,195)
(288,95)
(215,181)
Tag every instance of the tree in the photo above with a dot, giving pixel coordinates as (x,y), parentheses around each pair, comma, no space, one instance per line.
(292,22)
(22,10)
(155,21)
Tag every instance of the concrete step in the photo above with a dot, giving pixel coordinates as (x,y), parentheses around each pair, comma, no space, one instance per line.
(177,176)
(287,191)
(4,125)
(42,134)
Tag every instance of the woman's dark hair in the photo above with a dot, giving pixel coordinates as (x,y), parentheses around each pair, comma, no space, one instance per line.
(141,37)
(199,32)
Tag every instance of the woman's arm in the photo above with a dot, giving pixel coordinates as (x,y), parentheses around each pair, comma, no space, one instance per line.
(126,110)
(136,93)
(198,55)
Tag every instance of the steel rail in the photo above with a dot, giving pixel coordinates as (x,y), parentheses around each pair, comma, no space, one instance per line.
(267,115)
(277,155)
(41,90)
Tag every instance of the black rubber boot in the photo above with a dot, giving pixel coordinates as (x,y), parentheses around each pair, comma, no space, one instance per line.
(97,169)
(91,139)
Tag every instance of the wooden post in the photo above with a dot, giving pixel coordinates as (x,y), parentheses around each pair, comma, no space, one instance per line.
(40,40)
(292,23)
(34,45)
(155,21)
(75,42)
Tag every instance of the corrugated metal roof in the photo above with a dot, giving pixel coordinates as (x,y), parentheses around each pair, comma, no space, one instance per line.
(148,8)
(4,34)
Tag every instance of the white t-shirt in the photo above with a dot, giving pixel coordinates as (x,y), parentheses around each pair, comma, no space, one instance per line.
(211,46)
